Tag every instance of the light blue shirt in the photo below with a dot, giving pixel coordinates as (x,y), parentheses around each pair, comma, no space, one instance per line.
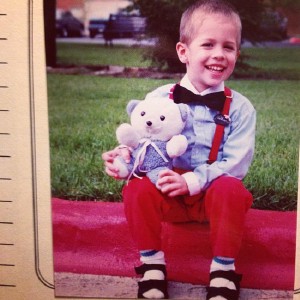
(236,150)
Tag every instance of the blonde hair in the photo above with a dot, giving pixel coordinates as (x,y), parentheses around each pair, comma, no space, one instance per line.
(187,23)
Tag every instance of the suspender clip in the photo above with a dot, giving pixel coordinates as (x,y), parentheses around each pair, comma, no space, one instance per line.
(221,119)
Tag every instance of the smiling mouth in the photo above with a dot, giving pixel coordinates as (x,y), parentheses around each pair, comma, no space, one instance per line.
(215,68)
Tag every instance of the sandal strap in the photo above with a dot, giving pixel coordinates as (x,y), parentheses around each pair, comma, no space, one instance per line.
(224,291)
(229,275)
(147,285)
(141,270)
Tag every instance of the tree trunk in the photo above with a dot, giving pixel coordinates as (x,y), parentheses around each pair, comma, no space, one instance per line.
(50,32)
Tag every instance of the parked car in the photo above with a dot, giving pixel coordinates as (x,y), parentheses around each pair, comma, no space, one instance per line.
(96,27)
(68,26)
(124,26)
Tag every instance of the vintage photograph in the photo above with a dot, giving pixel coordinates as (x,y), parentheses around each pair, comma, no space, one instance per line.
(174,147)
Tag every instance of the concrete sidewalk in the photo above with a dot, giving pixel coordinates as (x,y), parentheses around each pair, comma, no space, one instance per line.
(96,286)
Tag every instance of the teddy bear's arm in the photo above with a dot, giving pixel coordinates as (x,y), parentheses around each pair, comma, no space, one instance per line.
(177,145)
(127,135)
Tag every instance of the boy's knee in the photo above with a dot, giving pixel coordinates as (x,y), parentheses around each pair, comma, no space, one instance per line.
(139,191)
(138,185)
(229,185)
(232,191)
(143,203)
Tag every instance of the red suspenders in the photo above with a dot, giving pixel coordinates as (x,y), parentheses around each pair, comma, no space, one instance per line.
(221,120)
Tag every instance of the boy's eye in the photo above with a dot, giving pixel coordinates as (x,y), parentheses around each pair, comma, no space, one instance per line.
(162,117)
(207,45)
(143,113)
(229,47)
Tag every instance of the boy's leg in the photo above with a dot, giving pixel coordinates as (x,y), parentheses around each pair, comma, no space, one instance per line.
(226,204)
(145,209)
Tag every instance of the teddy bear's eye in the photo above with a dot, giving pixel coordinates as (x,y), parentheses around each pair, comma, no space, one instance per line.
(162,117)
(143,113)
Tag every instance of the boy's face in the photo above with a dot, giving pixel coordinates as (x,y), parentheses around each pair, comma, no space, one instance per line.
(211,55)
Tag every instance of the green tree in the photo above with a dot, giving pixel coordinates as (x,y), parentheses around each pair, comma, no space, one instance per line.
(163,19)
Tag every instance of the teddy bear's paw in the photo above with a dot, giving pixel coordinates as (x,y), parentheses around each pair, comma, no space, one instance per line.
(122,167)
(177,145)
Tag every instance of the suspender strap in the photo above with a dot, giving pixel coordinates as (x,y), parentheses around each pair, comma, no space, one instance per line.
(171,92)
(221,120)
(219,132)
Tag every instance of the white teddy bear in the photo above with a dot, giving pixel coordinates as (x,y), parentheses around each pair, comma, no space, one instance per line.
(154,135)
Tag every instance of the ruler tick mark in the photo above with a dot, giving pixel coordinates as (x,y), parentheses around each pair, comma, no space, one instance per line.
(8,285)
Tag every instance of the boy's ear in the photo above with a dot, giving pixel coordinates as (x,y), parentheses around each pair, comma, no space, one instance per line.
(181,49)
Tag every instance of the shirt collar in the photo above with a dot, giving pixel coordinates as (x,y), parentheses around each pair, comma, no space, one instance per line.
(186,83)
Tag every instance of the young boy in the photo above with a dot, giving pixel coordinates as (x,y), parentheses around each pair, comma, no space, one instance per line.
(198,189)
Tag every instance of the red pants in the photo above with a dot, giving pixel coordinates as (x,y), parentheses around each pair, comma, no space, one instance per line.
(224,205)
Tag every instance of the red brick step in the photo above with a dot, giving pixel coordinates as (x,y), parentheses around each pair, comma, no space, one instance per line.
(93,238)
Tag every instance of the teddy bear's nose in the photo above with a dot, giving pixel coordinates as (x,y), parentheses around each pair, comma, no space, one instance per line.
(149,123)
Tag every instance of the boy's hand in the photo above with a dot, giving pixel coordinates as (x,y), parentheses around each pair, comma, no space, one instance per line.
(171,183)
(109,157)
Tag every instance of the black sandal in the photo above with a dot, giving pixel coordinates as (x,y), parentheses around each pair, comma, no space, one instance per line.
(223,291)
(147,285)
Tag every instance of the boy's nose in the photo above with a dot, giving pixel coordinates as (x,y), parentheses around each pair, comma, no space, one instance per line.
(218,53)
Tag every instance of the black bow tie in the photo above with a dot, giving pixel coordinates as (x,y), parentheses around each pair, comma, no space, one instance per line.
(214,100)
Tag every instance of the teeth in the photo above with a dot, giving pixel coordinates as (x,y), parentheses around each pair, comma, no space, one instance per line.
(215,68)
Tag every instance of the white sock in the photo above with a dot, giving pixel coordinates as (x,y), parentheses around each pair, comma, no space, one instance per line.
(223,264)
(153,257)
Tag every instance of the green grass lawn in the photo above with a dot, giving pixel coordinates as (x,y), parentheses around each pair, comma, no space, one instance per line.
(91,54)
(278,63)
(84,112)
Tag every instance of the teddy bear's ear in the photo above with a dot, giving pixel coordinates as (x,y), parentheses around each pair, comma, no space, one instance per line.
(184,109)
(131,106)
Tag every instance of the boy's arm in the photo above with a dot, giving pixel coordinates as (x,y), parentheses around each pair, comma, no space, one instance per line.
(236,156)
